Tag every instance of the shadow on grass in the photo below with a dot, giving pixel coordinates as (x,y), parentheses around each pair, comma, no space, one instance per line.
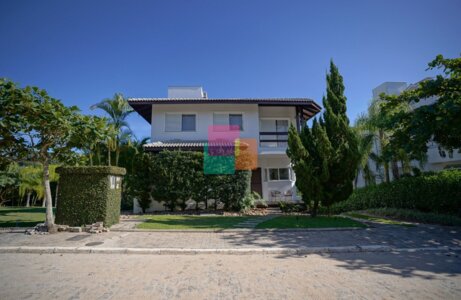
(21,217)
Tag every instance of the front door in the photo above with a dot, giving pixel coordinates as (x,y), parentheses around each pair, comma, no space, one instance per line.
(256,182)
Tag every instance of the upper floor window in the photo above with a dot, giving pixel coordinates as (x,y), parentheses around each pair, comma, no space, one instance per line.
(180,122)
(234,121)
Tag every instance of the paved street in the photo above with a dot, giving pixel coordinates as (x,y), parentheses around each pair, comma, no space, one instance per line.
(384,235)
(418,275)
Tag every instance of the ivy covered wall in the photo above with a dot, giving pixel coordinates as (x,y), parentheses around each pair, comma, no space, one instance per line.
(89,194)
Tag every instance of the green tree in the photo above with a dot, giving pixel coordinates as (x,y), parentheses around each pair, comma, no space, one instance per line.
(439,121)
(94,131)
(118,110)
(39,127)
(31,181)
(140,183)
(9,180)
(343,163)
(325,157)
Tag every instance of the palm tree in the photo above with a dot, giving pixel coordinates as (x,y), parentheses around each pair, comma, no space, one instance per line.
(118,110)
(30,181)
(371,129)
(365,149)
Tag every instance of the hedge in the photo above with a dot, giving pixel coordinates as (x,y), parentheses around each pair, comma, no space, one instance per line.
(436,193)
(174,177)
(85,195)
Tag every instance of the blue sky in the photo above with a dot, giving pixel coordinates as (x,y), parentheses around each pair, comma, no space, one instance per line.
(84,51)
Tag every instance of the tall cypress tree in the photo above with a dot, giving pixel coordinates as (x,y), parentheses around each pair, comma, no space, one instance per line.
(325,156)
(343,163)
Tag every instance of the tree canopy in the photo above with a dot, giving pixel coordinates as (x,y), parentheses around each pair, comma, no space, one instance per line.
(39,128)
(438,121)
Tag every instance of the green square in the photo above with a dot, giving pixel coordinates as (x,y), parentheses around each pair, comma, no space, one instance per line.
(218,164)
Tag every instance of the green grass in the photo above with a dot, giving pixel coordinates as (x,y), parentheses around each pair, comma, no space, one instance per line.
(309,222)
(190,222)
(21,216)
(377,219)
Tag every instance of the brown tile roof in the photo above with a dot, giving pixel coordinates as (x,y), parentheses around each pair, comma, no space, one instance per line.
(179,144)
(144,105)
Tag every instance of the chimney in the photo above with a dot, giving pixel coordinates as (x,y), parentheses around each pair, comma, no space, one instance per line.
(186,92)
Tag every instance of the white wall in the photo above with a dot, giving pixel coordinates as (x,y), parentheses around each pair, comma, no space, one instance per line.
(204,119)
(279,111)
(275,161)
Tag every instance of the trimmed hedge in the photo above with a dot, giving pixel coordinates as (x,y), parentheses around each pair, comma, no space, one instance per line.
(415,216)
(175,177)
(85,195)
(436,193)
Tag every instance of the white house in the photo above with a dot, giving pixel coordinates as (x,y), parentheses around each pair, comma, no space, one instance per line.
(182,122)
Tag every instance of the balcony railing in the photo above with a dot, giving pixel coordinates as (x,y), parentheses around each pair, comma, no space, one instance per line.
(273,139)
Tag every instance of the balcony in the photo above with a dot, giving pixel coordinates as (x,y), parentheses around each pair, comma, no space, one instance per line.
(273,140)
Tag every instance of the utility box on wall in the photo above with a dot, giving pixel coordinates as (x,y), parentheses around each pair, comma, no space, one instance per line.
(89,194)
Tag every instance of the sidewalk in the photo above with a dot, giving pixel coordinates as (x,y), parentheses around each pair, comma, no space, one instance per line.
(380,238)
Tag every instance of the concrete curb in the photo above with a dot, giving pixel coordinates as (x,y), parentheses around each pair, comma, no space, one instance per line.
(239,230)
(238,251)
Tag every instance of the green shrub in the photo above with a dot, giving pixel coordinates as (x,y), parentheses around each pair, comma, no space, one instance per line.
(288,207)
(415,216)
(259,201)
(232,189)
(178,176)
(433,192)
(85,195)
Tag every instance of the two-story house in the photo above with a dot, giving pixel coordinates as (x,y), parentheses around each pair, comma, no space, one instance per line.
(182,122)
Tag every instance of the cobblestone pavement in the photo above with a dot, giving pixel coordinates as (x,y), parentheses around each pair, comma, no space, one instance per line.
(419,275)
(385,235)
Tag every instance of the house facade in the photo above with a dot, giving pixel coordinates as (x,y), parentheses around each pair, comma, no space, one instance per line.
(182,121)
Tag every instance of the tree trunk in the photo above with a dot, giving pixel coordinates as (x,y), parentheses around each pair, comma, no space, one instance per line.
(91,158)
(28,200)
(395,169)
(98,154)
(44,202)
(108,155)
(117,155)
(386,172)
(314,209)
(56,195)
(49,205)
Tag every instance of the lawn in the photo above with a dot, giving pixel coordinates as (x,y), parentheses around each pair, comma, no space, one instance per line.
(377,219)
(21,216)
(309,222)
(190,222)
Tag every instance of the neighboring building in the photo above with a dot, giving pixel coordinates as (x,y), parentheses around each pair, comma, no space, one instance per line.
(437,158)
(183,120)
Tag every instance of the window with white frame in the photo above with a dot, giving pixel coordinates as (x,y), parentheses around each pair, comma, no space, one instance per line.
(115,182)
(180,122)
(232,120)
(278,174)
